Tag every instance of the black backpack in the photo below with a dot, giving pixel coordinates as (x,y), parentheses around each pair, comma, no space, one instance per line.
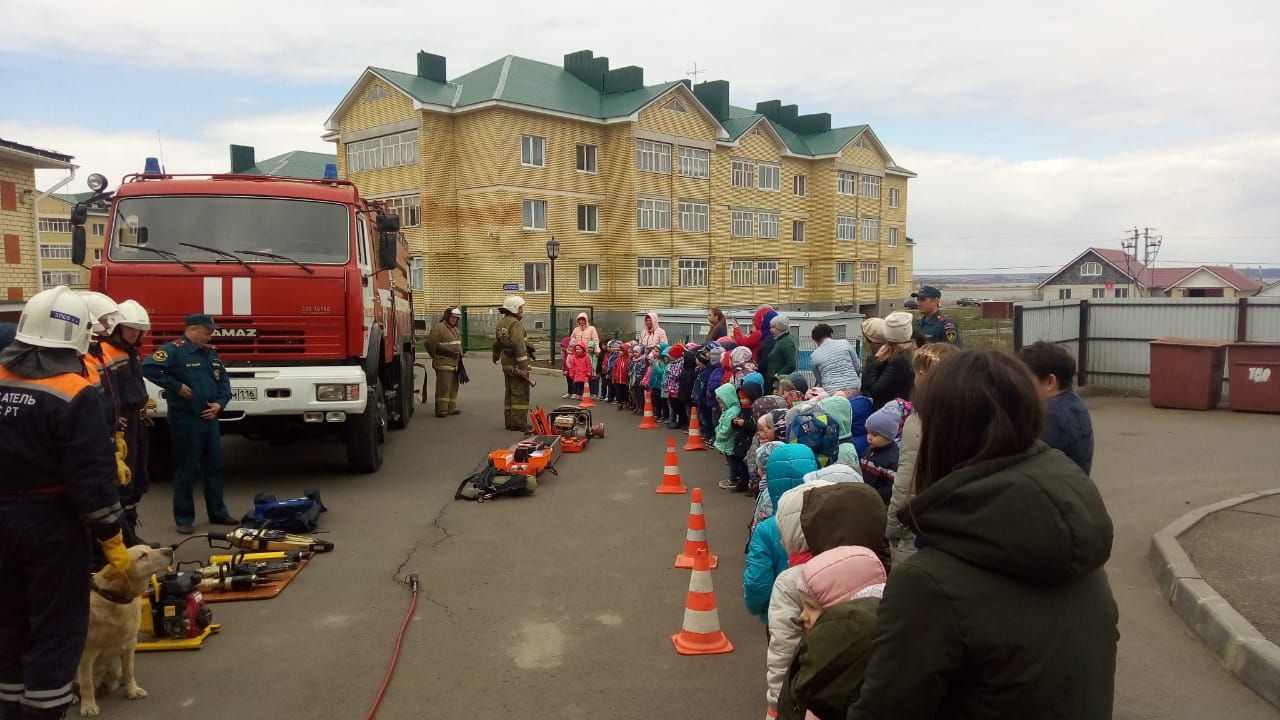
(489,483)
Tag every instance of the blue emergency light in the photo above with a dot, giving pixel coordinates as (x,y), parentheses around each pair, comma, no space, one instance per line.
(151,166)
(331,171)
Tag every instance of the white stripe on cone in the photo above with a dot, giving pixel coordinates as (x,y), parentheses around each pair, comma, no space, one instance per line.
(700,582)
(695,534)
(669,470)
(695,508)
(701,621)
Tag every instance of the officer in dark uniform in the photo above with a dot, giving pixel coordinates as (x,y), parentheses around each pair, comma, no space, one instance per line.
(196,388)
(57,476)
(935,326)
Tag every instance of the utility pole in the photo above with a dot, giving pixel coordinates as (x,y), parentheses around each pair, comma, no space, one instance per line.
(1130,247)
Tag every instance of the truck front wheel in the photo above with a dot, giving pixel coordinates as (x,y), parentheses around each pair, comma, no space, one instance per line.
(402,408)
(367,433)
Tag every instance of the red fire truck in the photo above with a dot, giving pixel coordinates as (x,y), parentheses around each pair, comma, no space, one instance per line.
(307,281)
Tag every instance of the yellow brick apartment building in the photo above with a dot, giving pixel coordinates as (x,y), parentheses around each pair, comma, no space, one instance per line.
(660,195)
(20,272)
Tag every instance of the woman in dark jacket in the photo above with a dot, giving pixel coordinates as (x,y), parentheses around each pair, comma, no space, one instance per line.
(718,328)
(1005,611)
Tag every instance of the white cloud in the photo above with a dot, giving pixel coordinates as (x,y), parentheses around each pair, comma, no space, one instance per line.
(115,153)
(1091,66)
(1212,201)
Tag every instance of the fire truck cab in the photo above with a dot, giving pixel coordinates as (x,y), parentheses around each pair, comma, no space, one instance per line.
(306,280)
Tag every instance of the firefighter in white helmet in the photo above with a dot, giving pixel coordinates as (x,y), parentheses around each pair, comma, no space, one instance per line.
(512,348)
(124,343)
(56,477)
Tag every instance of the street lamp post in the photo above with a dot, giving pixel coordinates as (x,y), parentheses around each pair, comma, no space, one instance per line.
(553,252)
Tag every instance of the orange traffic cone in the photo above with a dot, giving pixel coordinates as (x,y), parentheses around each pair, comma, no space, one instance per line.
(695,538)
(671,484)
(647,423)
(695,435)
(586,401)
(700,633)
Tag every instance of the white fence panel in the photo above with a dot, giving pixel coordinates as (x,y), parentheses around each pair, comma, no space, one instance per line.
(1263,320)
(1151,318)
(1051,321)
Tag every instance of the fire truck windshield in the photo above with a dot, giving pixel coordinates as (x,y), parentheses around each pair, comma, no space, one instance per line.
(282,230)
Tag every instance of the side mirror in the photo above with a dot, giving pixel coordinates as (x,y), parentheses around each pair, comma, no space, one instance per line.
(388,223)
(388,246)
(77,244)
(79,214)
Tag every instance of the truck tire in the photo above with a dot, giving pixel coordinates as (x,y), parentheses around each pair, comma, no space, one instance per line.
(367,433)
(402,407)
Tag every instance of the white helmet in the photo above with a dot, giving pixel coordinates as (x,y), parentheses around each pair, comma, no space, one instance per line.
(513,304)
(133,315)
(104,311)
(56,318)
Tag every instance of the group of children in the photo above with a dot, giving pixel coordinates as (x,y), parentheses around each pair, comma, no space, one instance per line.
(627,375)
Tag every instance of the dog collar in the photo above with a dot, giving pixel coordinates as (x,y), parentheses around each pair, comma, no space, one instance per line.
(113,596)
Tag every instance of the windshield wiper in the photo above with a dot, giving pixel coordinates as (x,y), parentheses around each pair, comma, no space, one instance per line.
(263,253)
(163,253)
(216,251)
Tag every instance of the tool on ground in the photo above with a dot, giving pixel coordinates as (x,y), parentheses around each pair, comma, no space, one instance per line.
(539,422)
(178,609)
(292,556)
(695,538)
(531,456)
(269,540)
(671,484)
(256,569)
(695,434)
(573,424)
(232,583)
(647,422)
(700,634)
(586,401)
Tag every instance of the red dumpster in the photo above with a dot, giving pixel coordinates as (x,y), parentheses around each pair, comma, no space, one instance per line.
(1253,369)
(1187,374)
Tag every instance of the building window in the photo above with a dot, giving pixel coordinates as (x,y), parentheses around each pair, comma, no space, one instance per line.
(798,186)
(768,225)
(58,225)
(695,162)
(770,177)
(743,174)
(377,92)
(766,272)
(1098,293)
(1064,293)
(797,276)
(587,158)
(99,229)
(895,197)
(588,218)
(740,272)
(55,252)
(408,207)
(844,273)
(535,277)
(869,273)
(893,237)
(870,186)
(653,156)
(1122,292)
(1091,269)
(871,229)
(675,106)
(891,276)
(743,223)
(535,214)
(59,277)
(416,272)
(382,152)
(97,254)
(533,151)
(589,278)
(653,214)
(694,217)
(693,272)
(862,143)
(846,227)
(797,230)
(653,272)
(846,182)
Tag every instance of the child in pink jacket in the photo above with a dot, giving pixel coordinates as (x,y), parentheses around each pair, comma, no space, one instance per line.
(579,367)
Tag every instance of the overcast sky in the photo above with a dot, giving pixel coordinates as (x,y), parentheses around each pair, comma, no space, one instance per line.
(1037,129)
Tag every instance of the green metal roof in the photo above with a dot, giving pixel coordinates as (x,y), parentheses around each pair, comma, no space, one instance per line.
(298,164)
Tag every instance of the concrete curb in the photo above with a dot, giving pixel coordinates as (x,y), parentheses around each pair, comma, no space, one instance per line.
(1241,649)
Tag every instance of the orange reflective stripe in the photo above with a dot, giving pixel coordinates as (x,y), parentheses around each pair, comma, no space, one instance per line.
(65,384)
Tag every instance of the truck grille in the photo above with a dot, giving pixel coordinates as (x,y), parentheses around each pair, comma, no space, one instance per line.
(277,342)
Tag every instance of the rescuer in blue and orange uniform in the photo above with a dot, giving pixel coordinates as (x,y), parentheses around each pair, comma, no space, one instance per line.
(57,476)
(196,388)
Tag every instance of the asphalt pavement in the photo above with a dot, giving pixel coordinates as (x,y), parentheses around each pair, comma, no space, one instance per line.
(561,605)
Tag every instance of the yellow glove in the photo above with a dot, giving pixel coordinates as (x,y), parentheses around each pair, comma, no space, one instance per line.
(151,404)
(117,554)
(124,475)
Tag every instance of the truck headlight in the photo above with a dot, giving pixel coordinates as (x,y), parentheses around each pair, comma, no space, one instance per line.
(337,392)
